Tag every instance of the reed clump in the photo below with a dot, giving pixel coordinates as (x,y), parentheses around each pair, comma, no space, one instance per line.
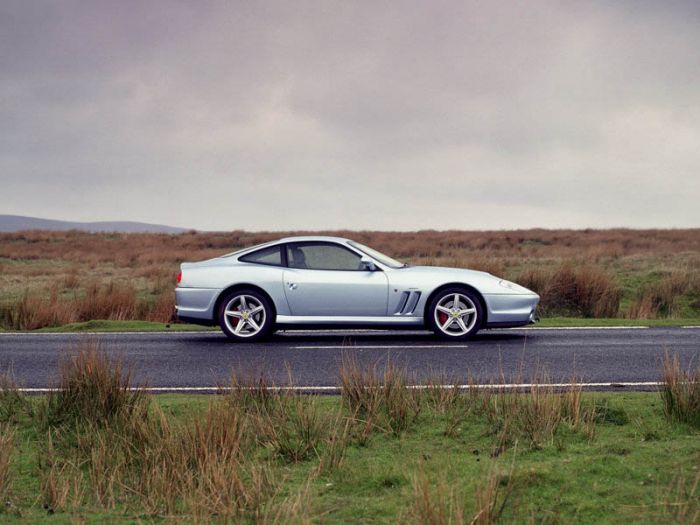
(93,388)
(680,391)
(375,401)
(578,291)
(661,299)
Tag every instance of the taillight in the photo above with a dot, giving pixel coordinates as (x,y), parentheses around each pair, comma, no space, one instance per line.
(179,277)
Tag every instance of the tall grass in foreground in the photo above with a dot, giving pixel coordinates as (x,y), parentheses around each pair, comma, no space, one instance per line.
(439,504)
(7,436)
(106,446)
(681,499)
(680,391)
(383,401)
(111,448)
(94,388)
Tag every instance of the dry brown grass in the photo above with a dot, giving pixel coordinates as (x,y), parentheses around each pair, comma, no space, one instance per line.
(7,437)
(681,500)
(93,388)
(52,278)
(583,291)
(660,299)
(438,505)
(378,401)
(680,391)
(122,451)
(442,505)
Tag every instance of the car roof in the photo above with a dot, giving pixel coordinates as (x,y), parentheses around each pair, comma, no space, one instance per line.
(298,238)
(306,238)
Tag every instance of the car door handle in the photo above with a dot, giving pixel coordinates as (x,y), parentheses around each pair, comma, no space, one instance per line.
(292,286)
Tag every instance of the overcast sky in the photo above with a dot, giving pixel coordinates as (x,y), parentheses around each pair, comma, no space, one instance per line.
(362,115)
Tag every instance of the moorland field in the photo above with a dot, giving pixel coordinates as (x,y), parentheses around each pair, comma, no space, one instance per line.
(49,279)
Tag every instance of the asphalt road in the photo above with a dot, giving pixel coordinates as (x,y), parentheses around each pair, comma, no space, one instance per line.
(203,360)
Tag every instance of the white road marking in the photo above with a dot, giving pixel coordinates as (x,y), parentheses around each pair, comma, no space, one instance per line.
(583,328)
(296,388)
(358,331)
(154,332)
(369,347)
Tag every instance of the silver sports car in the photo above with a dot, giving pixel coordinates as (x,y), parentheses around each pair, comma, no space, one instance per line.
(323,282)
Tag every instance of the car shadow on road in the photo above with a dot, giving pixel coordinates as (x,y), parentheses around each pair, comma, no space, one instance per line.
(367,338)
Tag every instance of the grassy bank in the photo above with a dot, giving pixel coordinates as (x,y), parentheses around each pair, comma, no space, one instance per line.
(50,279)
(150,326)
(379,453)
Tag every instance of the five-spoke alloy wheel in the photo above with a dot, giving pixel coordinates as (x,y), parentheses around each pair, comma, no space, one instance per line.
(455,313)
(245,315)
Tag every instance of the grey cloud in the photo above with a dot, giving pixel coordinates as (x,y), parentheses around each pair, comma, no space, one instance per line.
(228,115)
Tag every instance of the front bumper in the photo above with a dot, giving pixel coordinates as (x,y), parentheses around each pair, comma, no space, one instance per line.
(511,309)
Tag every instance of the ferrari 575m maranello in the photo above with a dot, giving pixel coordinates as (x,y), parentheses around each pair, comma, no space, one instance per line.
(330,282)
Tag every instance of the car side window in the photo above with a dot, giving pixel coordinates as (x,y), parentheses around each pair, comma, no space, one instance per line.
(321,256)
(271,256)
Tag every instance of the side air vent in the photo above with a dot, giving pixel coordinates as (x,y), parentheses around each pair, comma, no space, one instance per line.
(411,303)
(407,303)
(402,302)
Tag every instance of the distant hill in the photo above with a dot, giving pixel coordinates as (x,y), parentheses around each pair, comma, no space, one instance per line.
(13,223)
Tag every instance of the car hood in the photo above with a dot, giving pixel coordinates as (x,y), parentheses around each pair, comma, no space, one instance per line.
(442,271)
(483,281)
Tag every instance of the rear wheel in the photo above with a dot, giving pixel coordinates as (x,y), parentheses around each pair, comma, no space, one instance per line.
(455,313)
(246,315)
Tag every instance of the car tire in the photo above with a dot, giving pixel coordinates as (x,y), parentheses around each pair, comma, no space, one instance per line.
(246,315)
(455,323)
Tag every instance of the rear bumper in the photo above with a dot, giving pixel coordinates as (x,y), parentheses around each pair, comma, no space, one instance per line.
(195,320)
(196,305)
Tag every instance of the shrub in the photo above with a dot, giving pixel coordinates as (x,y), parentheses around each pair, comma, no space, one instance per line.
(7,436)
(93,388)
(577,291)
(13,403)
(660,299)
(387,403)
(680,392)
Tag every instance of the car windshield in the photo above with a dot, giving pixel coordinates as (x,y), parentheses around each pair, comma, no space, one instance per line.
(378,256)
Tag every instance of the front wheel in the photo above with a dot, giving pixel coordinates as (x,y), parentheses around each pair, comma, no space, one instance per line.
(455,313)
(245,315)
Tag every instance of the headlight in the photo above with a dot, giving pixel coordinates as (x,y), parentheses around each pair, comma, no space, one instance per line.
(516,288)
(508,284)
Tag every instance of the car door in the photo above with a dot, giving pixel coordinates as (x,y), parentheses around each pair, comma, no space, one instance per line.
(326,279)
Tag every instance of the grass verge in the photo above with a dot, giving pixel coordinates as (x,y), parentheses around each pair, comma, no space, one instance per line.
(124,326)
(565,322)
(379,453)
(147,326)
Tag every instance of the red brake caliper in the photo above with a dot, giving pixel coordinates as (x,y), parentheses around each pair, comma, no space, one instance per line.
(443,317)
(236,319)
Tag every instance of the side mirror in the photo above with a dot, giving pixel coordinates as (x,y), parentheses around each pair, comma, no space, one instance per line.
(368,264)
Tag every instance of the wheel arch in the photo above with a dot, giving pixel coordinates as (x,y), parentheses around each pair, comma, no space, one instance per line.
(241,286)
(464,286)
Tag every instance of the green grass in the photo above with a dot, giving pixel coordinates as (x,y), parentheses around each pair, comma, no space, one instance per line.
(620,476)
(563,322)
(123,326)
(551,322)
